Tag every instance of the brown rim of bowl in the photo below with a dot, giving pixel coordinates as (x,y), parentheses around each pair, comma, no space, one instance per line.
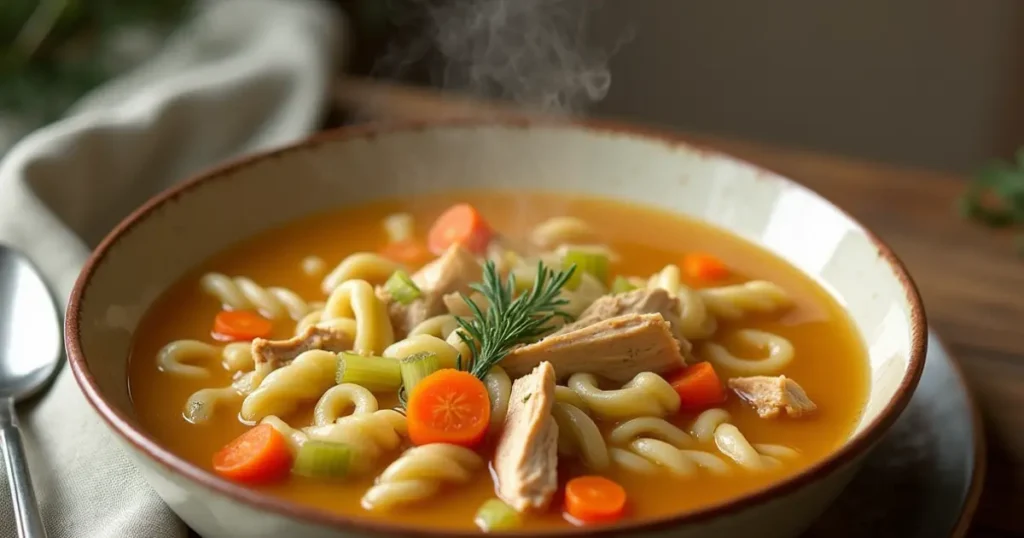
(142,441)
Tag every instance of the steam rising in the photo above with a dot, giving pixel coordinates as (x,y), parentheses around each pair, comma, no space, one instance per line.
(531,52)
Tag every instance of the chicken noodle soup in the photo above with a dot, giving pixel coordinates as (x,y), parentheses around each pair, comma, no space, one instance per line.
(605,362)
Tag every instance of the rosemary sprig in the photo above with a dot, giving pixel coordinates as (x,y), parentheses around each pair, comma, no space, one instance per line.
(996,196)
(510,321)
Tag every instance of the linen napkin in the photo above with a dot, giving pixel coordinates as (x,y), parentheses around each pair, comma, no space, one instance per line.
(244,75)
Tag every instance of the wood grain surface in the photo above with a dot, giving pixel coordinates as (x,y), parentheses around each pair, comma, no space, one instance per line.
(971,277)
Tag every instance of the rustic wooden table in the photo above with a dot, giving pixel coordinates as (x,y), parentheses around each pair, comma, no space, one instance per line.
(972,281)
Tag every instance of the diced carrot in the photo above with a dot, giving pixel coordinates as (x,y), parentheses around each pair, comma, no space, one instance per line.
(704,267)
(240,325)
(462,224)
(448,406)
(259,455)
(408,252)
(698,386)
(593,499)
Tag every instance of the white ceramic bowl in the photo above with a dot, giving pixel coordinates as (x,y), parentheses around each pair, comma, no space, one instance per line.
(183,226)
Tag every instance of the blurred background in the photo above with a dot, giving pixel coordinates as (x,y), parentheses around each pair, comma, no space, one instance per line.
(922,83)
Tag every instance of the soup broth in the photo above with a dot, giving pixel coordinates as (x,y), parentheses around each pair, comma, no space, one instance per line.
(829,361)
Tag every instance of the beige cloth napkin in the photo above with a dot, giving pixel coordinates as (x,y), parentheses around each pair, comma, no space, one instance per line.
(245,75)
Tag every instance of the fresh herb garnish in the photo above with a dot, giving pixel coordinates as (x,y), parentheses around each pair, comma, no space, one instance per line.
(996,197)
(509,322)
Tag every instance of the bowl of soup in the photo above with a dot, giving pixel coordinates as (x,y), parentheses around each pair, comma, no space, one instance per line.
(539,328)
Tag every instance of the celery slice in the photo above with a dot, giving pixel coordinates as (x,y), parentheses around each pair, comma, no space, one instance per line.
(323,459)
(376,374)
(416,367)
(494,515)
(401,287)
(593,263)
(622,285)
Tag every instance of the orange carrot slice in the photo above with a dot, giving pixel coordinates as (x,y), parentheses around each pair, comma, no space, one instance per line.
(259,455)
(448,406)
(461,224)
(240,325)
(594,498)
(698,386)
(408,252)
(704,267)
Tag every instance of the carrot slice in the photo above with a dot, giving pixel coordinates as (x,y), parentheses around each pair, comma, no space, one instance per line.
(259,455)
(594,498)
(698,386)
(462,224)
(704,267)
(448,406)
(240,325)
(408,252)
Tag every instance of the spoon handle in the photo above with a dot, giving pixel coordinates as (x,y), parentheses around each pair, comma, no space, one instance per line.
(26,511)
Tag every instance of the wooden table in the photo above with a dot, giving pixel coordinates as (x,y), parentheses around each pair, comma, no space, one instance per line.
(972,282)
(971,278)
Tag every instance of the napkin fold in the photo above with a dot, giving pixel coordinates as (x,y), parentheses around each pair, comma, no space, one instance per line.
(244,75)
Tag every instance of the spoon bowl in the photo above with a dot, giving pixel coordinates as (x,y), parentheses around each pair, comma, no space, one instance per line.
(30,351)
(30,339)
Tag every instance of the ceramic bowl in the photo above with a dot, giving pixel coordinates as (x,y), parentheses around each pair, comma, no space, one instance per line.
(185,225)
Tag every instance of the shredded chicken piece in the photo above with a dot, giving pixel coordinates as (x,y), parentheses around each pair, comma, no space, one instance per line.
(770,396)
(618,349)
(526,458)
(272,354)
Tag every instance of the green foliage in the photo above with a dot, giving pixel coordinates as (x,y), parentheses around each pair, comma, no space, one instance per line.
(996,196)
(53,51)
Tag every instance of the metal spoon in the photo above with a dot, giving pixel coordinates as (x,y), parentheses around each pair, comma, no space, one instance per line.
(30,350)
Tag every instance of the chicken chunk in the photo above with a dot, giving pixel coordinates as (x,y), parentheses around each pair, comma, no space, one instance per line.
(453,272)
(526,458)
(770,396)
(617,349)
(272,354)
(642,301)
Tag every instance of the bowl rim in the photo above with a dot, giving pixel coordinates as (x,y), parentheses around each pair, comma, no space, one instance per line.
(142,441)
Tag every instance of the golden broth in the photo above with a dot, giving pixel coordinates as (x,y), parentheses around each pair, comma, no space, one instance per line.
(830,360)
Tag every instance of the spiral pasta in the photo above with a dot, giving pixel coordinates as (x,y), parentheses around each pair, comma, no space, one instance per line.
(440,326)
(499,387)
(703,427)
(579,435)
(569,396)
(419,473)
(359,266)
(779,353)
(201,404)
(559,230)
(447,356)
(241,293)
(316,318)
(647,394)
(341,398)
(175,357)
(355,299)
(304,379)
(734,302)
(648,443)
(370,434)
(695,321)
(731,442)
